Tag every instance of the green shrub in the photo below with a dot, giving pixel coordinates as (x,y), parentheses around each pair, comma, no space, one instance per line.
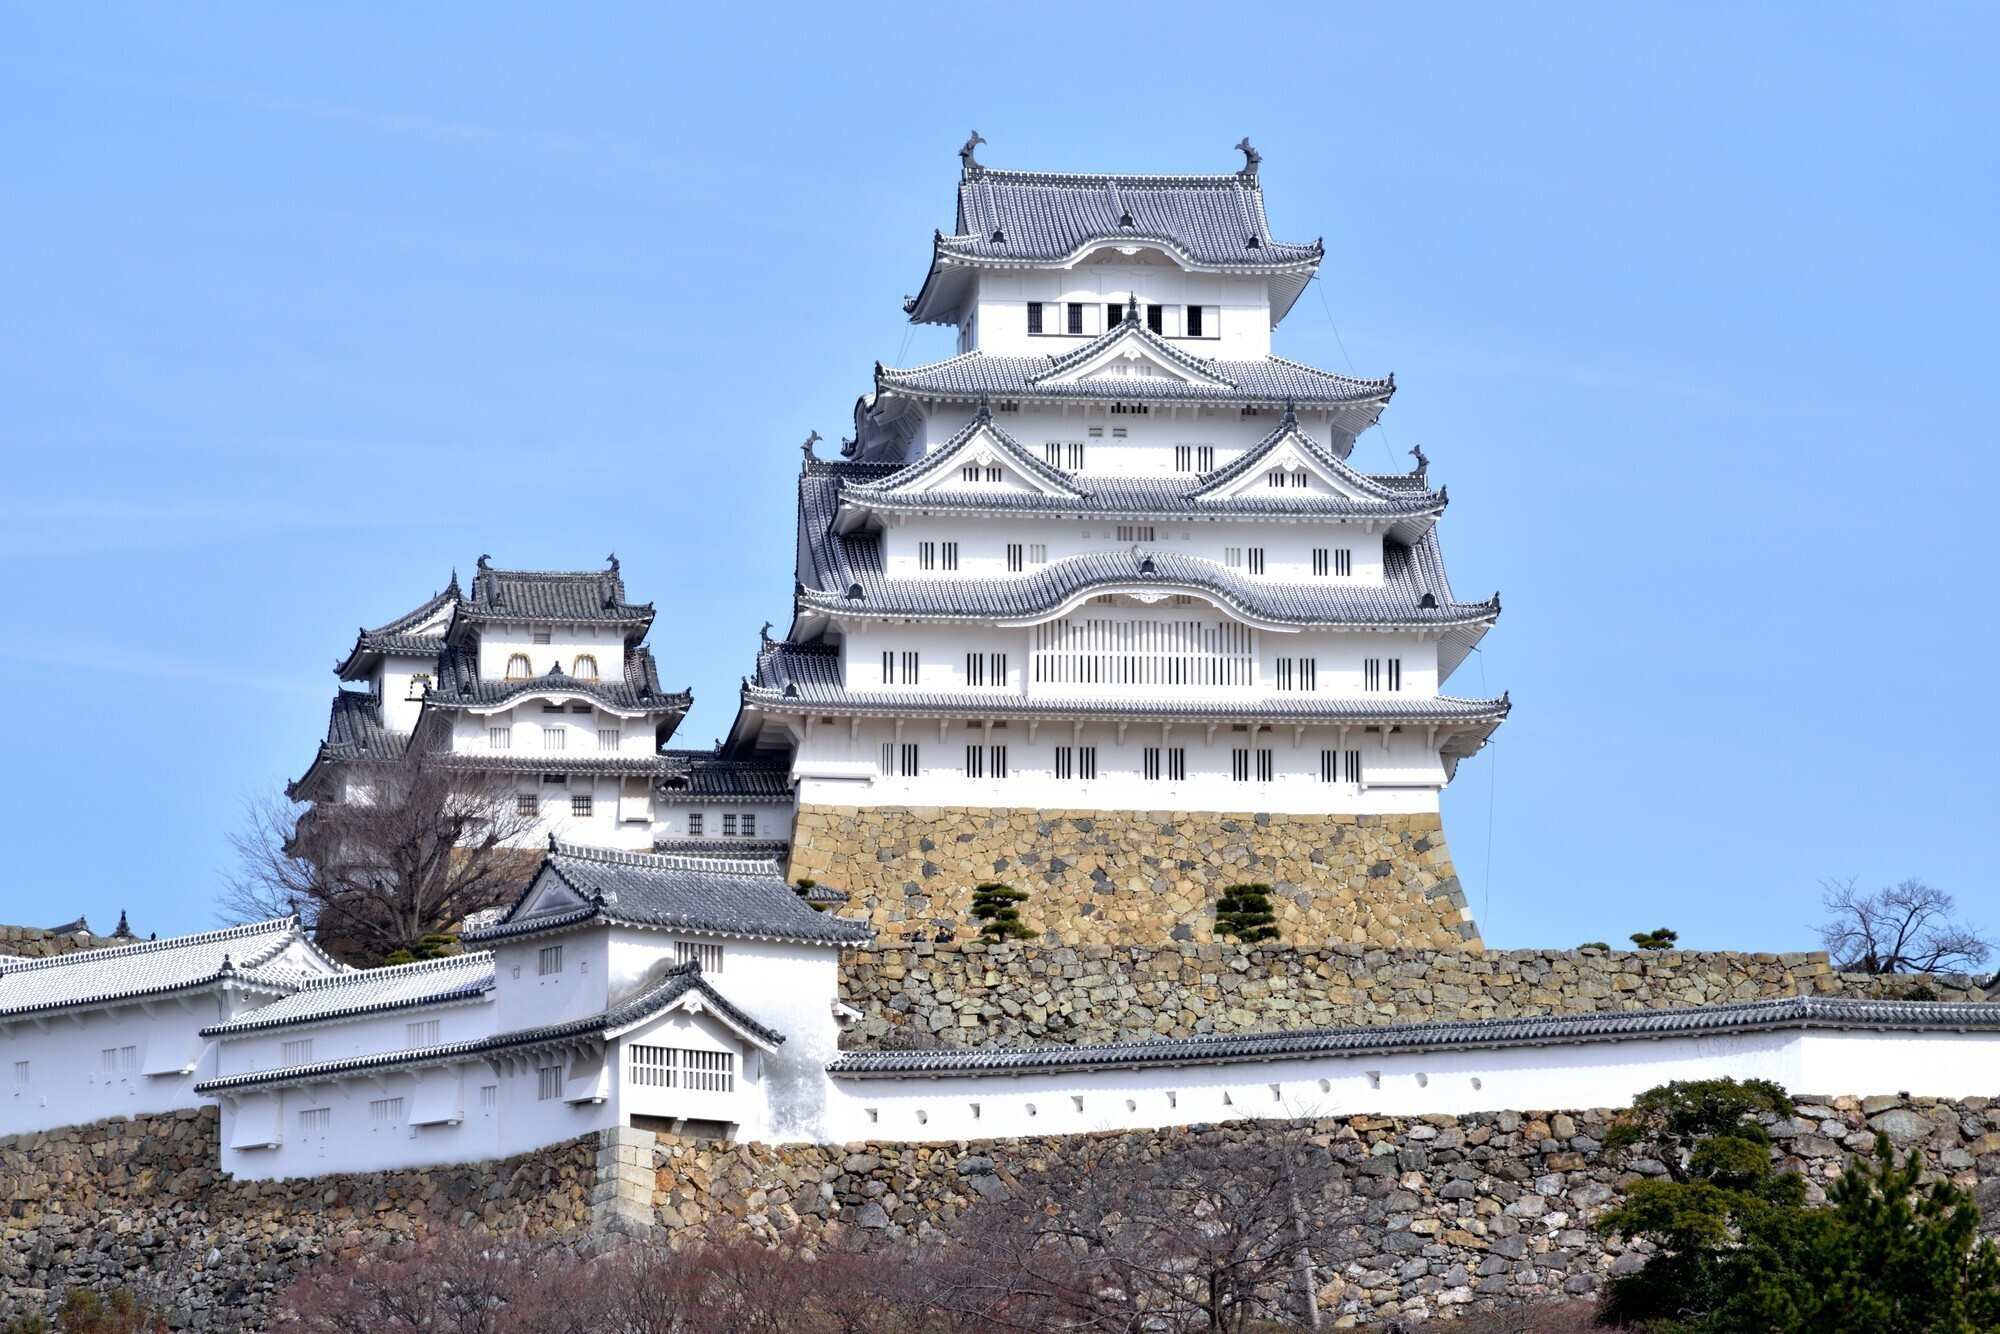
(1662,939)
(993,904)
(1244,911)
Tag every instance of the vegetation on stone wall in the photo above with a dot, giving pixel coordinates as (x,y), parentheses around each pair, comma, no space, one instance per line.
(1738,1248)
(994,905)
(1658,939)
(1244,912)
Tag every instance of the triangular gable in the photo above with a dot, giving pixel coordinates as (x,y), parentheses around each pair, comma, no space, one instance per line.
(1288,450)
(982,444)
(697,1006)
(1133,352)
(549,893)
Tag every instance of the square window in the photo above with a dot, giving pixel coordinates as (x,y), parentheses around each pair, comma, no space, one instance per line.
(527,803)
(694,824)
(580,804)
(299,1051)
(420,1033)
(729,826)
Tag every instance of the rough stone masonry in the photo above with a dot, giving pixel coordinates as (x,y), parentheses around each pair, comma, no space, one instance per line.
(1139,877)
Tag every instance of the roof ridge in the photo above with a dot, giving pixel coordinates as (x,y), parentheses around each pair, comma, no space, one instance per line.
(1389,380)
(150,946)
(655,860)
(414,967)
(1014,176)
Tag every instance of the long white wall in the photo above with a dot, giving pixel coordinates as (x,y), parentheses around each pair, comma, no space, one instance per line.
(123,1060)
(1594,1074)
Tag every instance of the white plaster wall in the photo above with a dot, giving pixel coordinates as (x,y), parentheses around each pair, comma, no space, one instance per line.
(787,987)
(983,542)
(523,998)
(1938,1065)
(997,319)
(356,1035)
(66,1081)
(1598,1074)
(670,818)
(497,643)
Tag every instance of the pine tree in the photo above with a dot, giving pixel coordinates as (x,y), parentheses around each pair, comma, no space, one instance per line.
(993,905)
(1244,911)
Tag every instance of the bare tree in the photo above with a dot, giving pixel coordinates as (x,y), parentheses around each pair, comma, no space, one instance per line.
(1906,928)
(1213,1231)
(406,847)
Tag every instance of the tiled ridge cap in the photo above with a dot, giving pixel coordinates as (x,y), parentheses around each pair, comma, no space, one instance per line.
(18,965)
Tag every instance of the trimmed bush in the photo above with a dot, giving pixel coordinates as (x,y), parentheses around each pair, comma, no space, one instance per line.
(993,905)
(1244,911)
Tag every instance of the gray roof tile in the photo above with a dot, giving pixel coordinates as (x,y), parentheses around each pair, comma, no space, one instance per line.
(580,596)
(718,896)
(705,775)
(250,954)
(673,984)
(345,995)
(1787,1013)
(1046,216)
(1271,380)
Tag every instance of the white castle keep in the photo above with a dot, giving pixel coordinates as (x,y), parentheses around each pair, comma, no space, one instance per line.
(1094,595)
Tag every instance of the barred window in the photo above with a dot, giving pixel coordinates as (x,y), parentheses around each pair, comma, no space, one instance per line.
(519,668)
(1371,673)
(549,960)
(652,1067)
(548,1083)
(585,667)
(1034,317)
(580,805)
(489,1097)
(708,955)
(555,738)
(20,1074)
(975,761)
(1135,532)
(315,1120)
(1076,763)
(927,555)
(385,1112)
(1075,317)
(120,1060)
(527,803)
(996,761)
(1266,766)
(1194,458)
(708,1071)
(948,557)
(500,738)
(609,738)
(749,825)
(1014,561)
(694,824)
(1395,673)
(910,759)
(299,1051)
(1239,764)
(729,825)
(1340,766)
(420,1033)
(1256,560)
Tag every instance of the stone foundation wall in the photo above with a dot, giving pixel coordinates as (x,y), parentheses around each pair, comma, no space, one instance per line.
(142,1204)
(1139,877)
(977,993)
(30,942)
(1460,1212)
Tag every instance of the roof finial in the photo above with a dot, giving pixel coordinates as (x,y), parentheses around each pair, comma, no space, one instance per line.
(985,413)
(1132,308)
(811,440)
(765,634)
(483,558)
(969,163)
(1251,157)
(452,587)
(124,928)
(1422,463)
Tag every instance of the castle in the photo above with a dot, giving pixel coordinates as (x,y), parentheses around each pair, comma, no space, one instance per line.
(1098,609)
(1096,605)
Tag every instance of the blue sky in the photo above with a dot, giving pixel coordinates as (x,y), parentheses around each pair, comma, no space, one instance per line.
(1692,306)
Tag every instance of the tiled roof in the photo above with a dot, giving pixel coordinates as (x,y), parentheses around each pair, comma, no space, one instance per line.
(418,633)
(637,691)
(1269,380)
(1045,216)
(344,995)
(1411,574)
(579,596)
(703,775)
(719,896)
(355,728)
(674,984)
(1150,497)
(248,954)
(1799,1012)
(749,849)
